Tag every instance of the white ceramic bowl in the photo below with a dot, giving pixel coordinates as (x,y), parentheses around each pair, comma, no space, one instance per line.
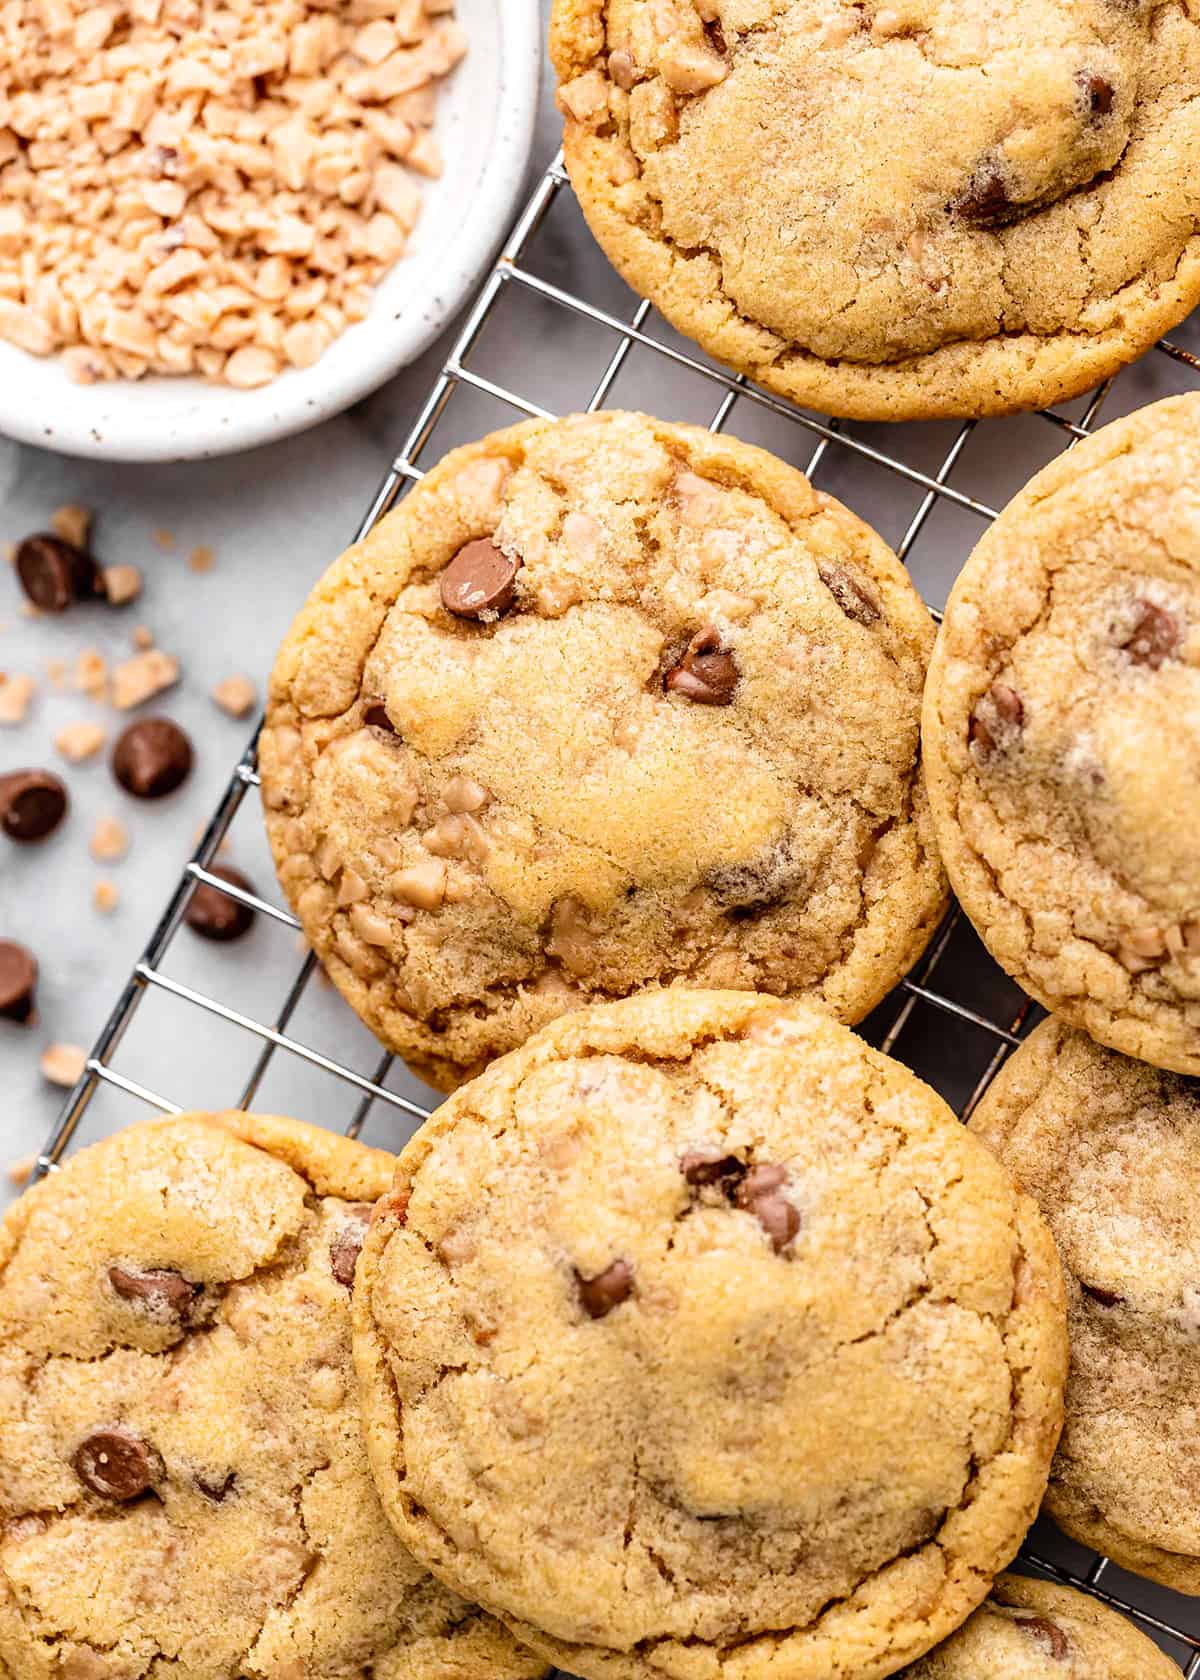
(485,123)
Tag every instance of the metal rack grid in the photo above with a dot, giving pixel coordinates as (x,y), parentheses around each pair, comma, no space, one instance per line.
(999,1025)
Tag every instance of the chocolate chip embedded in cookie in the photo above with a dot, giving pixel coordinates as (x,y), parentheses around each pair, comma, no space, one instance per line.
(893,211)
(605,703)
(1062,736)
(646,1267)
(185,1481)
(1110,1149)
(1030,1630)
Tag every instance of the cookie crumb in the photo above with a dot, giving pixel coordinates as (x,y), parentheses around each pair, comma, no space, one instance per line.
(9,552)
(56,671)
(105,897)
(20,1171)
(77,742)
(28,610)
(91,673)
(72,523)
(140,678)
(163,538)
(143,636)
(122,584)
(63,1064)
(202,558)
(235,695)
(110,840)
(16,696)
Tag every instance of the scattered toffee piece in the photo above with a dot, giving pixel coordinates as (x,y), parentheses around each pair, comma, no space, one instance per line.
(1154,637)
(480,579)
(708,1166)
(375,717)
(855,601)
(116,1464)
(600,1294)
(159,1290)
(706,674)
(998,714)
(1104,1297)
(54,574)
(18,981)
(217,1491)
(1045,1633)
(213,914)
(1098,94)
(152,757)
(32,804)
(346,1246)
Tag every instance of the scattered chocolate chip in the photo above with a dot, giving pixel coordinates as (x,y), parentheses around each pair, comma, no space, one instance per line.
(18,980)
(760,1181)
(1154,637)
(759,1194)
(600,1294)
(1098,94)
(32,804)
(162,1292)
(116,1464)
(1047,1634)
(716,38)
(706,674)
(1105,1297)
(217,1490)
(997,719)
(55,573)
(213,914)
(480,579)
(151,757)
(346,1247)
(986,202)
(709,1166)
(375,716)
(855,601)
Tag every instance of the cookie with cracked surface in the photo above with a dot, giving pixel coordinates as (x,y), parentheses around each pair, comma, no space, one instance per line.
(1110,1149)
(1062,736)
(605,703)
(630,1287)
(183,1481)
(894,210)
(1037,1630)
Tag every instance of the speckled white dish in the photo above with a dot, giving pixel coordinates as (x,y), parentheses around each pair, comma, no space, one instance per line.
(485,127)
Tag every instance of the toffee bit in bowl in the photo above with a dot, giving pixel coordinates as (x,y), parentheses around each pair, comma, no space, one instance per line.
(209,190)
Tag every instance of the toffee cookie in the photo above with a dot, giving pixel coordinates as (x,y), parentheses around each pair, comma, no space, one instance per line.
(1062,736)
(1033,1630)
(1110,1149)
(894,211)
(696,1338)
(606,703)
(183,1484)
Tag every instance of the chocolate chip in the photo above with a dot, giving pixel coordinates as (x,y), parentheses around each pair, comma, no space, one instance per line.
(217,1489)
(152,757)
(855,601)
(1105,1297)
(346,1247)
(986,202)
(32,804)
(161,1292)
(480,579)
(759,1194)
(18,980)
(760,1181)
(1098,95)
(375,716)
(996,721)
(213,914)
(600,1294)
(1154,637)
(709,1166)
(706,674)
(716,38)
(1047,1634)
(116,1464)
(55,573)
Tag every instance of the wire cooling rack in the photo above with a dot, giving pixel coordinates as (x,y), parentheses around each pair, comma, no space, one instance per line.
(930,488)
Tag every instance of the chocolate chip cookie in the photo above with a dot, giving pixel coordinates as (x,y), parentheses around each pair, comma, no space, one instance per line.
(606,703)
(696,1338)
(1034,1630)
(183,1485)
(894,209)
(1062,736)
(1110,1149)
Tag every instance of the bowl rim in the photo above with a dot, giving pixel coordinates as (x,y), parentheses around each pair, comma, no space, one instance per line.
(121,436)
